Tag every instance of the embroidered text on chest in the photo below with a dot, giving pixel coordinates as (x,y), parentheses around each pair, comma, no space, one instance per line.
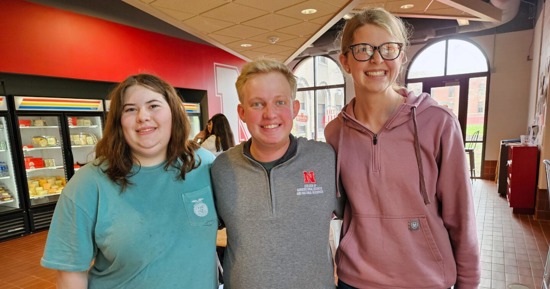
(310,185)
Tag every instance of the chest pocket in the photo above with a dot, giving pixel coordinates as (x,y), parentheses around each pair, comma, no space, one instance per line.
(199,206)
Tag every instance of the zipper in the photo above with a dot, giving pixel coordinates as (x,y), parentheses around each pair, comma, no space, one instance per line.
(270,185)
(375,139)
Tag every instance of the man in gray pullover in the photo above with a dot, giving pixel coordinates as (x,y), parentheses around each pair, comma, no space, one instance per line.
(275,193)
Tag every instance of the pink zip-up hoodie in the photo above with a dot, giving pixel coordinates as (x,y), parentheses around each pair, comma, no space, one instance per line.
(409,221)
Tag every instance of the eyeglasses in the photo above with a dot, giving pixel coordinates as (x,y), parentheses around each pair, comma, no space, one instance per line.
(365,51)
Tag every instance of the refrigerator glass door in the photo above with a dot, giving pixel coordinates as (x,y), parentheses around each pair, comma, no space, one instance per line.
(195,122)
(84,133)
(9,196)
(44,159)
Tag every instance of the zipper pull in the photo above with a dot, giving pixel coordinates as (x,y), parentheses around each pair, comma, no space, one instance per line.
(375,139)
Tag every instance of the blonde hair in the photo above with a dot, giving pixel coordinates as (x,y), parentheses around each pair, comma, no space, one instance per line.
(261,66)
(378,17)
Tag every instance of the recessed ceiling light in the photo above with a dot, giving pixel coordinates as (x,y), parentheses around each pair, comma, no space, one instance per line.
(463,22)
(309,11)
(348,16)
(245,45)
(407,6)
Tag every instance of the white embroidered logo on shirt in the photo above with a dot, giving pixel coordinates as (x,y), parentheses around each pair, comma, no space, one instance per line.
(309,189)
(199,208)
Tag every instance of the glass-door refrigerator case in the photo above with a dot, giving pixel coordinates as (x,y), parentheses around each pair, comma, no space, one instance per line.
(194,113)
(58,136)
(13,219)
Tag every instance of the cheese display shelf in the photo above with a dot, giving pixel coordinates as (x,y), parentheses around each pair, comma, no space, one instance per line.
(44,169)
(29,149)
(44,196)
(44,159)
(7,202)
(9,195)
(57,136)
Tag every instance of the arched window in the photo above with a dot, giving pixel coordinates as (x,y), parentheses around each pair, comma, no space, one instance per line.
(321,91)
(456,73)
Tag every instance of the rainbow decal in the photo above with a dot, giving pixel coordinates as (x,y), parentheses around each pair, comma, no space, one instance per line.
(47,103)
(192,107)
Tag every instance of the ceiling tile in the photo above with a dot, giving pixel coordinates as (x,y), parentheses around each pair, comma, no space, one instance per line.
(176,14)
(241,31)
(206,25)
(222,39)
(272,21)
(296,42)
(336,3)
(420,6)
(304,29)
(254,55)
(229,23)
(322,9)
(269,49)
(234,13)
(265,37)
(237,45)
(271,6)
(193,7)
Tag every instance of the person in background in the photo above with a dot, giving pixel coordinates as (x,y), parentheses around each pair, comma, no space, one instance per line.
(205,133)
(409,221)
(142,214)
(218,136)
(275,193)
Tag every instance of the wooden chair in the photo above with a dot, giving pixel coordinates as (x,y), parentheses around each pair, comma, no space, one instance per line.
(470,148)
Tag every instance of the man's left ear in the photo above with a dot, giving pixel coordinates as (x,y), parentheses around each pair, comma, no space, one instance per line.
(295,107)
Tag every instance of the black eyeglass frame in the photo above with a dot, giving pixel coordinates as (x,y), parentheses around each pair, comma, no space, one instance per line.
(376,48)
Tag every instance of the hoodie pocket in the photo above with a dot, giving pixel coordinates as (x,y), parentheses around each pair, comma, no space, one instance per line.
(199,206)
(392,251)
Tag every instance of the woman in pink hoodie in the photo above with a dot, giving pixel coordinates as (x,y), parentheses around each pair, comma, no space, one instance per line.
(409,221)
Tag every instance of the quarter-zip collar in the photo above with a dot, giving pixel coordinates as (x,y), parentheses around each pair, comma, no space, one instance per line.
(408,111)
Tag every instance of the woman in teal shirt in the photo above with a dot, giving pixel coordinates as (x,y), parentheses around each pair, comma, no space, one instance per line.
(142,214)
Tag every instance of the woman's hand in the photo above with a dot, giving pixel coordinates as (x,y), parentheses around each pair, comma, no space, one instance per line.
(200,136)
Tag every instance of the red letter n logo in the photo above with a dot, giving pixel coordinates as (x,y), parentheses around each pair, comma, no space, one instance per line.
(309,178)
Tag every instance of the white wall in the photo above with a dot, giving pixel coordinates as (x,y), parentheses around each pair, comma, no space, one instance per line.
(540,61)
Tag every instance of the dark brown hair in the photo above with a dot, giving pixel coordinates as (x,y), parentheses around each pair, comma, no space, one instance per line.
(222,130)
(113,149)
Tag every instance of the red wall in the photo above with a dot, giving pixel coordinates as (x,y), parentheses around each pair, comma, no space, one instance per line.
(41,40)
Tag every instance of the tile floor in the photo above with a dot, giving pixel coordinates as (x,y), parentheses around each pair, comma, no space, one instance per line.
(513,248)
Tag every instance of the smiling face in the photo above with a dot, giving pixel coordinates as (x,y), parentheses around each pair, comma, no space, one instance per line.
(146,124)
(375,75)
(268,110)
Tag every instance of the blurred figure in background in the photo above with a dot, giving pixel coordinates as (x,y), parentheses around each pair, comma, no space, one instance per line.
(217,137)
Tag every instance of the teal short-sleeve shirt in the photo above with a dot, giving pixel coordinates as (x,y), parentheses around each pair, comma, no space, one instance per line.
(159,233)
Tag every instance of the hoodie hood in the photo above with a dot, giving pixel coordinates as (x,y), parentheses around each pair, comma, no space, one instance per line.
(402,114)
